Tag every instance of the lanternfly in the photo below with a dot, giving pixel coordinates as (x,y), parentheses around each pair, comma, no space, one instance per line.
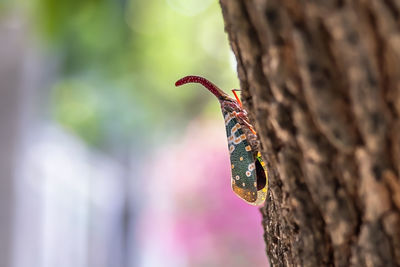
(249,173)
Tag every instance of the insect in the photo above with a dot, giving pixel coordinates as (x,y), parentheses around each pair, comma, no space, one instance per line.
(249,173)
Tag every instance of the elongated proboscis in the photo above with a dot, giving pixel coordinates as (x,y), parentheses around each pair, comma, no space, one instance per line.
(221,95)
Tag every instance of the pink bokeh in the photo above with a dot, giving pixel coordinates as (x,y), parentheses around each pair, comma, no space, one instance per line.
(193,217)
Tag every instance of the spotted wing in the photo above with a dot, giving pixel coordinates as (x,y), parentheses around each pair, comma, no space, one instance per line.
(244,176)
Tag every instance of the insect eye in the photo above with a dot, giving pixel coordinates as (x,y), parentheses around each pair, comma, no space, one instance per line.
(261,178)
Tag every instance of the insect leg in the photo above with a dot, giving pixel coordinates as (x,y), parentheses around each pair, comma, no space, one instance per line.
(243,117)
(237,98)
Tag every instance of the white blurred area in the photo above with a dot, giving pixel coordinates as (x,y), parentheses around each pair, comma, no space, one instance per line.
(68,202)
(61,204)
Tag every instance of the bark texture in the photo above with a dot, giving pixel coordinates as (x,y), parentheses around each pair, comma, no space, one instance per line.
(321,82)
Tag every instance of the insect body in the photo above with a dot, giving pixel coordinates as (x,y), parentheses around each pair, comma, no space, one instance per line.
(249,173)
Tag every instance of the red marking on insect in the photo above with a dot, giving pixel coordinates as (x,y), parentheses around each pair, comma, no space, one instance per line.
(206,83)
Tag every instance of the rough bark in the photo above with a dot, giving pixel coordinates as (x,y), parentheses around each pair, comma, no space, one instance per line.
(321,82)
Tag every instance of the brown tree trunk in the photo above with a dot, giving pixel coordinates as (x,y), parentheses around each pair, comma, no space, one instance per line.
(321,82)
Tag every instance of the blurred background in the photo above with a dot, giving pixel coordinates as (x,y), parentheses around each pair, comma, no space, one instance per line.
(103,161)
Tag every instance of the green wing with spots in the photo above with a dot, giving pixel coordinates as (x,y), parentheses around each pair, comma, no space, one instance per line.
(244,176)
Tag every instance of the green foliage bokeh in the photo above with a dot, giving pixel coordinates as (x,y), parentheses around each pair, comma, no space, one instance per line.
(119,60)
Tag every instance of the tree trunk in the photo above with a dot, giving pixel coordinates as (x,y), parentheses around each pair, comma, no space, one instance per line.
(321,83)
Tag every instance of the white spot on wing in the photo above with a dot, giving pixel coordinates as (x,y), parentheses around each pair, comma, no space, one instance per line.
(251,166)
